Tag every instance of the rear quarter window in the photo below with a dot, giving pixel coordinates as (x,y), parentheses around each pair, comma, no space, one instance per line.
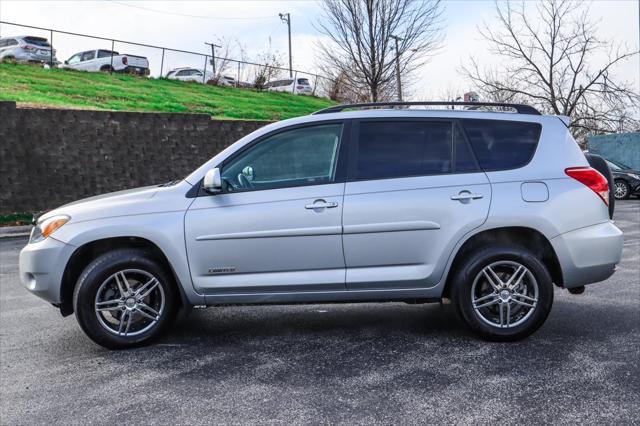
(502,145)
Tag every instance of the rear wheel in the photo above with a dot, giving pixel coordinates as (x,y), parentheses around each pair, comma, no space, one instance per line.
(124,298)
(502,293)
(621,190)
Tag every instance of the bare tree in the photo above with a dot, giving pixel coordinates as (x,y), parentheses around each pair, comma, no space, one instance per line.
(361,48)
(549,62)
(272,65)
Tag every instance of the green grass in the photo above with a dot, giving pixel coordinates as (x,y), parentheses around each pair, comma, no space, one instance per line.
(15,219)
(61,88)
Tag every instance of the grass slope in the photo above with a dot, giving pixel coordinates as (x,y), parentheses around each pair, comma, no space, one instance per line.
(64,88)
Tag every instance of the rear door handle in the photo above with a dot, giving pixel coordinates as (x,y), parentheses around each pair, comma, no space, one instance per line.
(466,195)
(320,204)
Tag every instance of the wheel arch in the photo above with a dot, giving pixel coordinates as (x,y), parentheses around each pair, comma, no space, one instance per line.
(86,253)
(522,236)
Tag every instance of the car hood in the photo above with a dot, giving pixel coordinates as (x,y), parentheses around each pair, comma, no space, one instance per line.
(146,200)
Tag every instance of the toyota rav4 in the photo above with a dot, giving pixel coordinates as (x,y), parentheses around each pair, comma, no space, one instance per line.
(359,203)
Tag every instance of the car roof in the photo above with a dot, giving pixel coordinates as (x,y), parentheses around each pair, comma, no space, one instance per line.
(24,36)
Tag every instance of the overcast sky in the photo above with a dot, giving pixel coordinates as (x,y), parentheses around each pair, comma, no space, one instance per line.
(188,24)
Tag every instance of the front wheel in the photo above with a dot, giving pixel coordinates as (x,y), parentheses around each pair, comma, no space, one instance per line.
(124,298)
(621,190)
(502,293)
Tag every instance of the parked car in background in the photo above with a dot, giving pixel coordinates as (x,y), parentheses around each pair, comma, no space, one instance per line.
(196,75)
(106,61)
(189,74)
(27,49)
(491,210)
(626,180)
(299,86)
(226,80)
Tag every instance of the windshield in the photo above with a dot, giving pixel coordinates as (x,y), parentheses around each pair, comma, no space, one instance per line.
(303,81)
(617,165)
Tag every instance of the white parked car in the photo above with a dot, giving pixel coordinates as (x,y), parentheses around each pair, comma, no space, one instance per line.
(196,75)
(298,86)
(189,74)
(27,49)
(107,60)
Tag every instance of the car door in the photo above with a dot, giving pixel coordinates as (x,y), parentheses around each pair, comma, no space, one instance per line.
(74,61)
(87,61)
(276,226)
(413,190)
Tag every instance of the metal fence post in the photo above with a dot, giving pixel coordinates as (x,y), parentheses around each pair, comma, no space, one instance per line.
(51,49)
(113,44)
(204,71)
(295,82)
(238,79)
(162,63)
(315,84)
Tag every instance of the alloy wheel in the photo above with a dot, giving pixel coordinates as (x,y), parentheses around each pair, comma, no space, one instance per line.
(504,294)
(129,302)
(620,190)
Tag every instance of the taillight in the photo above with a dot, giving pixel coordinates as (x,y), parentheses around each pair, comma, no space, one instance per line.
(299,87)
(124,60)
(591,178)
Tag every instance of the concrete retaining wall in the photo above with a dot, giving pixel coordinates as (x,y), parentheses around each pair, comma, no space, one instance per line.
(49,157)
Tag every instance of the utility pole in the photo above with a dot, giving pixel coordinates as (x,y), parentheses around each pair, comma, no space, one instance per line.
(286,17)
(213,57)
(398,82)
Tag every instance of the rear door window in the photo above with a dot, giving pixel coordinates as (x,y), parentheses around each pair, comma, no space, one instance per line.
(87,56)
(106,53)
(393,149)
(501,144)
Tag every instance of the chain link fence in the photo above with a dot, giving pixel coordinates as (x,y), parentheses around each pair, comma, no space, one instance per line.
(162,59)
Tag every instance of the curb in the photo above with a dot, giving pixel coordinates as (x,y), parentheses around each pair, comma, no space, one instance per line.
(15,231)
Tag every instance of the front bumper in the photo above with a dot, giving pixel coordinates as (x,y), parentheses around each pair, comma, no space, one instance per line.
(42,266)
(588,255)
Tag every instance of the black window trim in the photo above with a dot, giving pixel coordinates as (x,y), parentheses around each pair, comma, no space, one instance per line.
(341,167)
(501,169)
(355,133)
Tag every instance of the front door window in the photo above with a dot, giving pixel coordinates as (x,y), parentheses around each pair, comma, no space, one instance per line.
(298,157)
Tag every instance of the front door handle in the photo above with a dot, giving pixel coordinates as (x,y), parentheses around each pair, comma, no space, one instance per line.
(320,204)
(466,196)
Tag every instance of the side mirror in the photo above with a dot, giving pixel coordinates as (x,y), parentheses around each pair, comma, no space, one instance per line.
(212,181)
(66,62)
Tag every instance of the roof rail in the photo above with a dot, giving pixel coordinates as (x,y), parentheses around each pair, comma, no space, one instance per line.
(520,108)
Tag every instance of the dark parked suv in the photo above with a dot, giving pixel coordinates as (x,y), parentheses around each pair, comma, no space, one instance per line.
(626,180)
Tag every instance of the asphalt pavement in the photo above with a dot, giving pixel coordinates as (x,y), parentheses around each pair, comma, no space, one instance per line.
(345,363)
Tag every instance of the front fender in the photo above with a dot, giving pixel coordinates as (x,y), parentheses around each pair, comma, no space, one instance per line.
(165,230)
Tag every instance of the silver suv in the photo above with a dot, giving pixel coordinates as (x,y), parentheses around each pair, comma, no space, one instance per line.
(487,209)
(27,49)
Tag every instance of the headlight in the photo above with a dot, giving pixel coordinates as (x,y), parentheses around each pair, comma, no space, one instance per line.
(47,227)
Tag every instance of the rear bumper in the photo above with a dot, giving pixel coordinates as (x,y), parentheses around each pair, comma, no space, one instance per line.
(588,255)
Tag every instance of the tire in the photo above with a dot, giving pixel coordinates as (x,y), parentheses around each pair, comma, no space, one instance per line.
(622,190)
(484,320)
(131,319)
